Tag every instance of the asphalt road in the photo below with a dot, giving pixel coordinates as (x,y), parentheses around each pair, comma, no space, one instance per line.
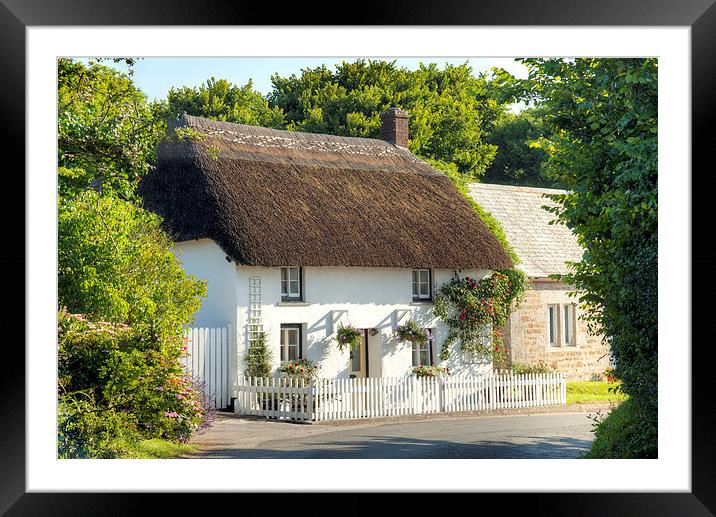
(560,435)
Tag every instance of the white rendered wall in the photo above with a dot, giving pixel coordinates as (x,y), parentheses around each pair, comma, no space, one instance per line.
(372,298)
(205,259)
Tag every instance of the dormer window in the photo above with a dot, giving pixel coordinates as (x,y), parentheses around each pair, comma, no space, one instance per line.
(422,285)
(291,284)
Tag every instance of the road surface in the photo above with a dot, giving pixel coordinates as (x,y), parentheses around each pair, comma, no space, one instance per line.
(557,435)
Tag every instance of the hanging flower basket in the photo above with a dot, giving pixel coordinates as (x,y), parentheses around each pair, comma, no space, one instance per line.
(348,336)
(412,332)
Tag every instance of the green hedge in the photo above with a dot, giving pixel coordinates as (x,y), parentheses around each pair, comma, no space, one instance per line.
(625,433)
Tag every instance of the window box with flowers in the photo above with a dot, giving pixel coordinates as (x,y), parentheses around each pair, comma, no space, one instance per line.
(431,371)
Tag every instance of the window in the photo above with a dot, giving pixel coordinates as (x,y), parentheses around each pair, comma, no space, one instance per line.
(422,288)
(569,329)
(291,288)
(553,325)
(423,352)
(290,341)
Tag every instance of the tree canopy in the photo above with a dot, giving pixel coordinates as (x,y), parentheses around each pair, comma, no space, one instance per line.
(601,116)
(451,109)
(107,131)
(218,99)
(518,160)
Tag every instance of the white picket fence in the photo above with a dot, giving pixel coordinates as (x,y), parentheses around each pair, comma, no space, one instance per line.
(207,360)
(341,399)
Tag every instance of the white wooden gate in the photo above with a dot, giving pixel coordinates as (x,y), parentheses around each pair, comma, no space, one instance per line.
(207,360)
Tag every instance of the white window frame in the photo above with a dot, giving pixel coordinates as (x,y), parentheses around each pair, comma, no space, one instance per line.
(287,293)
(419,348)
(286,329)
(553,327)
(420,282)
(570,328)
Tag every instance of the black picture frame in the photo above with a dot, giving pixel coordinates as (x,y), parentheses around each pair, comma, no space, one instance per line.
(699,15)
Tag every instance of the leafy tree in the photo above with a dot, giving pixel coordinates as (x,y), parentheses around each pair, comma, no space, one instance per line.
(115,264)
(450,109)
(602,121)
(221,100)
(107,132)
(120,345)
(518,161)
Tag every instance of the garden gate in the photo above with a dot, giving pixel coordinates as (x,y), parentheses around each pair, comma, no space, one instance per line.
(207,360)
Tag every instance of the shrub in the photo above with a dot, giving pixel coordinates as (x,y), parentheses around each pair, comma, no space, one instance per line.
(473,308)
(258,358)
(625,433)
(117,382)
(86,430)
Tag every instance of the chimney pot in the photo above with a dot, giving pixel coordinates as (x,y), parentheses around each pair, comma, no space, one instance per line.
(394,126)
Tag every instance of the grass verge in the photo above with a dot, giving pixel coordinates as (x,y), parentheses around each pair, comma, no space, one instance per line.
(155,449)
(587,392)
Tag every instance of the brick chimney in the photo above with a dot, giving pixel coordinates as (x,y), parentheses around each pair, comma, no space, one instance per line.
(394,126)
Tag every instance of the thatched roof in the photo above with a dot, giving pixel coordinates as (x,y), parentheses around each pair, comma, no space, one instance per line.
(543,248)
(277,198)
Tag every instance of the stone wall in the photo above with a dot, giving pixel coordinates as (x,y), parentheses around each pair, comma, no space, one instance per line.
(526,335)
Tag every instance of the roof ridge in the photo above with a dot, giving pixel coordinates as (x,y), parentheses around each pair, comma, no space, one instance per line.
(517,188)
(187,119)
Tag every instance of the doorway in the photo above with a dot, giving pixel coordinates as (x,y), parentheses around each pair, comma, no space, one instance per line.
(359,357)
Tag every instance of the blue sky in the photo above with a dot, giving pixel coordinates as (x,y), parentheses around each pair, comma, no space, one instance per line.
(155,76)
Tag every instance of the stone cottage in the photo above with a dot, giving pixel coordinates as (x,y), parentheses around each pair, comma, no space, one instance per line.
(546,328)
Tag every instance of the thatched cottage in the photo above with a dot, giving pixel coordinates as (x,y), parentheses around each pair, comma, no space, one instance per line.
(546,327)
(297,233)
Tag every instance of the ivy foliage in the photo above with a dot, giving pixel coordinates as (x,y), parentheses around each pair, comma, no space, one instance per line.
(602,146)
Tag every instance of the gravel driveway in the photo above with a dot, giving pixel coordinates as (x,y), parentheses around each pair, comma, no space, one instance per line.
(555,435)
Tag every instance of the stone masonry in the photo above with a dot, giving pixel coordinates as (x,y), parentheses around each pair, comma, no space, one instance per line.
(526,335)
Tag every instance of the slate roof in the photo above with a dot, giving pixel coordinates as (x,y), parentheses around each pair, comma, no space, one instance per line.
(542,248)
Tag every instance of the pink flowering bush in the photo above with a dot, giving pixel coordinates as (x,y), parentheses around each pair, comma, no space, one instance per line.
(117,381)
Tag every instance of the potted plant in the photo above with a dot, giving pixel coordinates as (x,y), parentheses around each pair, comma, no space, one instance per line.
(300,369)
(411,331)
(347,336)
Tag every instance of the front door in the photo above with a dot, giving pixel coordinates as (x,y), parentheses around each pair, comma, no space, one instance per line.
(359,357)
